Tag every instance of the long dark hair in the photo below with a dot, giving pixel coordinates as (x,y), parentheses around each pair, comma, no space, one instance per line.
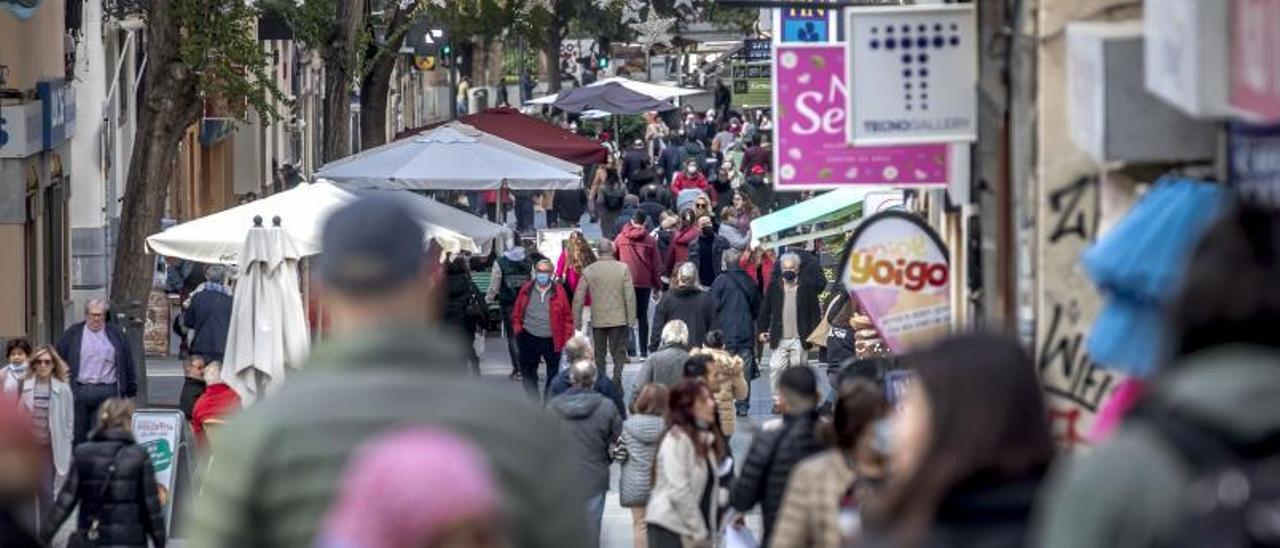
(680,416)
(986,419)
(1230,294)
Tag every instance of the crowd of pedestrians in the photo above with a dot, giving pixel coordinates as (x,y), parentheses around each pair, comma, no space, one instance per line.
(419,453)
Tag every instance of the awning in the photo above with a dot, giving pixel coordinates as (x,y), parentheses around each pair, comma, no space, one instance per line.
(832,205)
(656,91)
(527,131)
(452,157)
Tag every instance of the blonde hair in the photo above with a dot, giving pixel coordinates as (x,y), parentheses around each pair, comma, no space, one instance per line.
(60,369)
(115,413)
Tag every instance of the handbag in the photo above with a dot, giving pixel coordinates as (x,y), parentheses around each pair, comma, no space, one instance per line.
(619,451)
(89,538)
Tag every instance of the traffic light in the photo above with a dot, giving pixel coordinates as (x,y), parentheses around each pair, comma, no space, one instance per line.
(446,55)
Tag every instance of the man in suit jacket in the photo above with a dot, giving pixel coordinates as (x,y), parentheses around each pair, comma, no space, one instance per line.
(613,307)
(100,362)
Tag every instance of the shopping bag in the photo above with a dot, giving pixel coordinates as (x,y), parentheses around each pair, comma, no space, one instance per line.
(736,536)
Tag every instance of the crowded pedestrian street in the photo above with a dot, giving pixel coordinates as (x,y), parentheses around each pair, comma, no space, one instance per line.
(640,273)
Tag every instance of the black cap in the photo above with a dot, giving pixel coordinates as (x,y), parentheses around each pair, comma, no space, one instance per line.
(370,245)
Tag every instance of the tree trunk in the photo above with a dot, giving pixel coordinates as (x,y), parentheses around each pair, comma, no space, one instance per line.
(170,105)
(339,71)
(376,84)
(551,58)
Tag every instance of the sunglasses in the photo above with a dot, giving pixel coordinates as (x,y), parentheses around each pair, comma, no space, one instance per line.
(45,361)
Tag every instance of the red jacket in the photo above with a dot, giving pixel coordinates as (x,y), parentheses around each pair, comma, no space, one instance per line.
(639,251)
(217,401)
(758,269)
(699,181)
(561,313)
(680,245)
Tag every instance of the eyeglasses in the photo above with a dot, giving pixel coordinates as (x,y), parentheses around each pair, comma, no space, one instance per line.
(97,314)
(45,361)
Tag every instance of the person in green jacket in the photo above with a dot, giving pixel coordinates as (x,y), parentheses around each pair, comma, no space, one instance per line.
(1223,380)
(276,467)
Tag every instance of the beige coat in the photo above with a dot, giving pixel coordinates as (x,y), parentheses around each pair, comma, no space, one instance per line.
(679,478)
(613,295)
(728,384)
(810,513)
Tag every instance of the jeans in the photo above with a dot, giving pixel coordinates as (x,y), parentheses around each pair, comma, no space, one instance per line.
(532,350)
(595,513)
(748,355)
(789,353)
(88,398)
(642,318)
(614,340)
(524,212)
(513,348)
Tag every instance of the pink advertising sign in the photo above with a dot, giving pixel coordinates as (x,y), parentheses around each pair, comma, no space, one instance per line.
(1255,67)
(811,149)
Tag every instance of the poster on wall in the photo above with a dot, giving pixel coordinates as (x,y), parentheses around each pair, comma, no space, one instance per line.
(805,24)
(810,105)
(897,268)
(914,74)
(159,432)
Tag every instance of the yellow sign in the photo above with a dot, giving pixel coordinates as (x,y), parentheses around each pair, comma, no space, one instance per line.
(424,62)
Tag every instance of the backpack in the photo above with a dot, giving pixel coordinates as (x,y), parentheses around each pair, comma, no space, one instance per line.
(514,276)
(1234,499)
(613,196)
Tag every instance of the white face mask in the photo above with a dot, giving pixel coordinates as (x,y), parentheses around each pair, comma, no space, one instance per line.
(691,170)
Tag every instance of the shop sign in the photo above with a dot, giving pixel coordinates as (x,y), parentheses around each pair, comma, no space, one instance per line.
(160,433)
(802,24)
(58,112)
(1254,162)
(1255,67)
(20,130)
(1185,53)
(810,147)
(757,49)
(897,268)
(913,74)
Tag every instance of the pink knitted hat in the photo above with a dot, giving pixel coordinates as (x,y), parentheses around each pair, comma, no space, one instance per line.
(404,488)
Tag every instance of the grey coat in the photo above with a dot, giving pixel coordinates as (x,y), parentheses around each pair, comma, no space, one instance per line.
(1129,492)
(640,434)
(591,423)
(665,367)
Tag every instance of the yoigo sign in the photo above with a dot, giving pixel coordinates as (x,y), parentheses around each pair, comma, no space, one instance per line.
(913,73)
(160,432)
(897,269)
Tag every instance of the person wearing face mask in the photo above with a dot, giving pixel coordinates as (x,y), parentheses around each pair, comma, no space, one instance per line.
(542,320)
(825,492)
(708,251)
(788,315)
(691,178)
(683,509)
(17,351)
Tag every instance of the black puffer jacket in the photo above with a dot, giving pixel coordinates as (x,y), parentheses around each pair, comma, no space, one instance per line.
(691,305)
(128,508)
(458,290)
(773,454)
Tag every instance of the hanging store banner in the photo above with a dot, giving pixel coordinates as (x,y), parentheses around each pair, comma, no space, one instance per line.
(913,74)
(810,25)
(810,146)
(1253,160)
(897,269)
(1255,67)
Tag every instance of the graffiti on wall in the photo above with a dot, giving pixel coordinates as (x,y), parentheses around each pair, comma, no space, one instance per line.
(1075,387)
